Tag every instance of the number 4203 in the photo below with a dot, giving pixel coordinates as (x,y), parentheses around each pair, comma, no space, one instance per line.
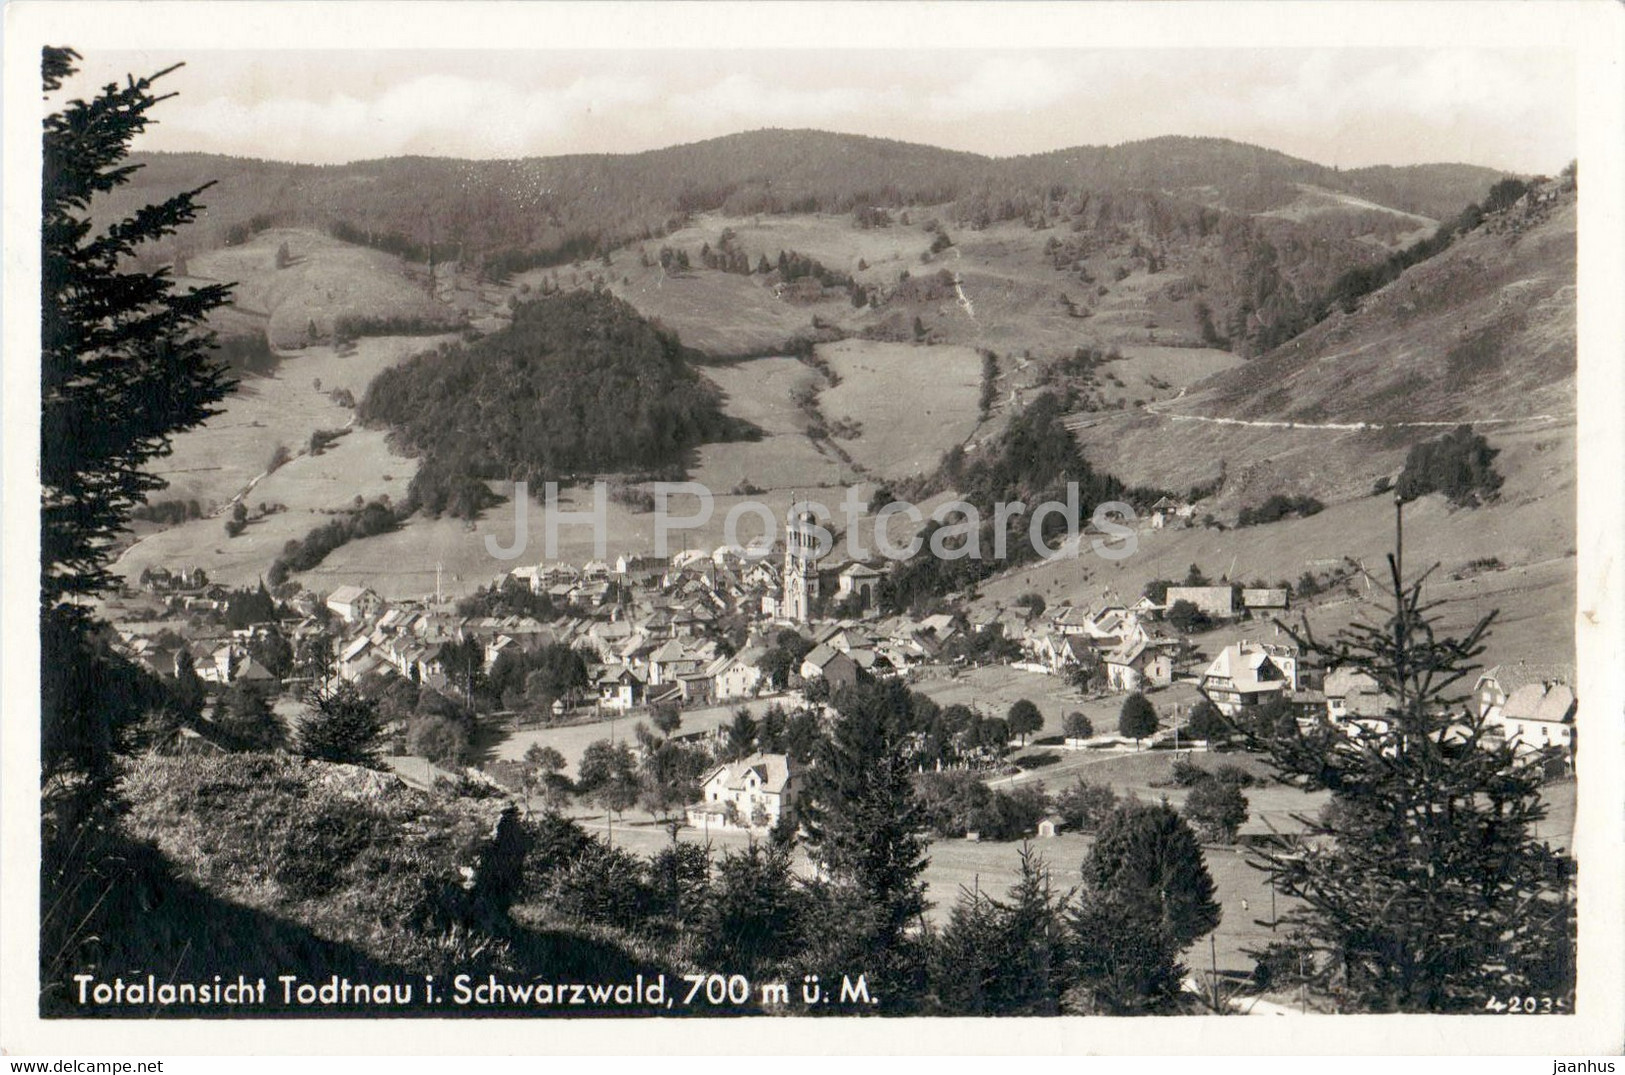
(1516,1005)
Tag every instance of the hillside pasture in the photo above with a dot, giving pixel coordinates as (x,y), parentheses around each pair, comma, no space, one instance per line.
(835,240)
(324,279)
(759,392)
(217,460)
(912,402)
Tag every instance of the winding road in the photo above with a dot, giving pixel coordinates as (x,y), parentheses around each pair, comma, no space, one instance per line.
(1083,421)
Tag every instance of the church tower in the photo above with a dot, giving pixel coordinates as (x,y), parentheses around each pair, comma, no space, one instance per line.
(800,567)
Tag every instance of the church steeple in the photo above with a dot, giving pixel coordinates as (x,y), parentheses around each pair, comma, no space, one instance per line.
(800,566)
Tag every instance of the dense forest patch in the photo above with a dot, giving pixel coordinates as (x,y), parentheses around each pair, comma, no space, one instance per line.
(578,384)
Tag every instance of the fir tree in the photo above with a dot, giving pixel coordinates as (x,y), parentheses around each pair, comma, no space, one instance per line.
(863,820)
(124,364)
(1004,957)
(1123,957)
(1148,855)
(1423,887)
(342,726)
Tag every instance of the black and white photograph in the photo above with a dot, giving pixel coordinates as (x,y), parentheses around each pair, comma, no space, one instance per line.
(894,514)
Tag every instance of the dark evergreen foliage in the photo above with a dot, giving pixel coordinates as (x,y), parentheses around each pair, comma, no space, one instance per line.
(342,725)
(1146,854)
(579,383)
(862,817)
(1004,957)
(1460,464)
(1278,507)
(1423,887)
(125,363)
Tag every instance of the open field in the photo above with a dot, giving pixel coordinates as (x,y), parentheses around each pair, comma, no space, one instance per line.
(214,462)
(758,391)
(324,279)
(993,688)
(1530,529)
(1242,891)
(912,403)
(227,456)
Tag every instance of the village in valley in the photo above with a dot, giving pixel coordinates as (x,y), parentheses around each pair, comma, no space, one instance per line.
(736,656)
(1229,667)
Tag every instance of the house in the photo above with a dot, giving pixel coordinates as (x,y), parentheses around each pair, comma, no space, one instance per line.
(354,604)
(621,687)
(1216,601)
(1170,511)
(1136,665)
(1532,705)
(1496,685)
(755,793)
(860,580)
(843,670)
(1264,600)
(1354,696)
(737,676)
(812,665)
(641,570)
(1248,673)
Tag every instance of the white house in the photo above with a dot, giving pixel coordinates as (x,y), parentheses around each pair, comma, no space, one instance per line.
(859,579)
(1248,673)
(737,676)
(1533,705)
(1136,665)
(621,687)
(753,793)
(354,603)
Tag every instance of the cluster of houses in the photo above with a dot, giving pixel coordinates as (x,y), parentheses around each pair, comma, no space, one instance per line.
(1531,706)
(653,632)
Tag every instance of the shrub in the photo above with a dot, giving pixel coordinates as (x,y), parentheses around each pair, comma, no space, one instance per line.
(1079,726)
(1459,464)
(1186,618)
(1188,774)
(442,740)
(315,855)
(1083,806)
(1279,507)
(1216,809)
(1206,722)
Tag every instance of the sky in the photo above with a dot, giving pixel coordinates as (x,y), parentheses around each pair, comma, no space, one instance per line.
(1505,108)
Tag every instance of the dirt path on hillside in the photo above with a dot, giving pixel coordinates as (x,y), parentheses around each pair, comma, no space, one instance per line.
(1084,421)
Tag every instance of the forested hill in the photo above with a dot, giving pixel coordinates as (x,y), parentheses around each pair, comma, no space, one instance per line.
(515,214)
(578,384)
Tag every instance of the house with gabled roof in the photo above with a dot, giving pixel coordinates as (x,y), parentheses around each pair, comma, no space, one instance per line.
(752,793)
(1137,665)
(620,686)
(1354,696)
(1532,705)
(1247,674)
(861,580)
(736,676)
(354,603)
